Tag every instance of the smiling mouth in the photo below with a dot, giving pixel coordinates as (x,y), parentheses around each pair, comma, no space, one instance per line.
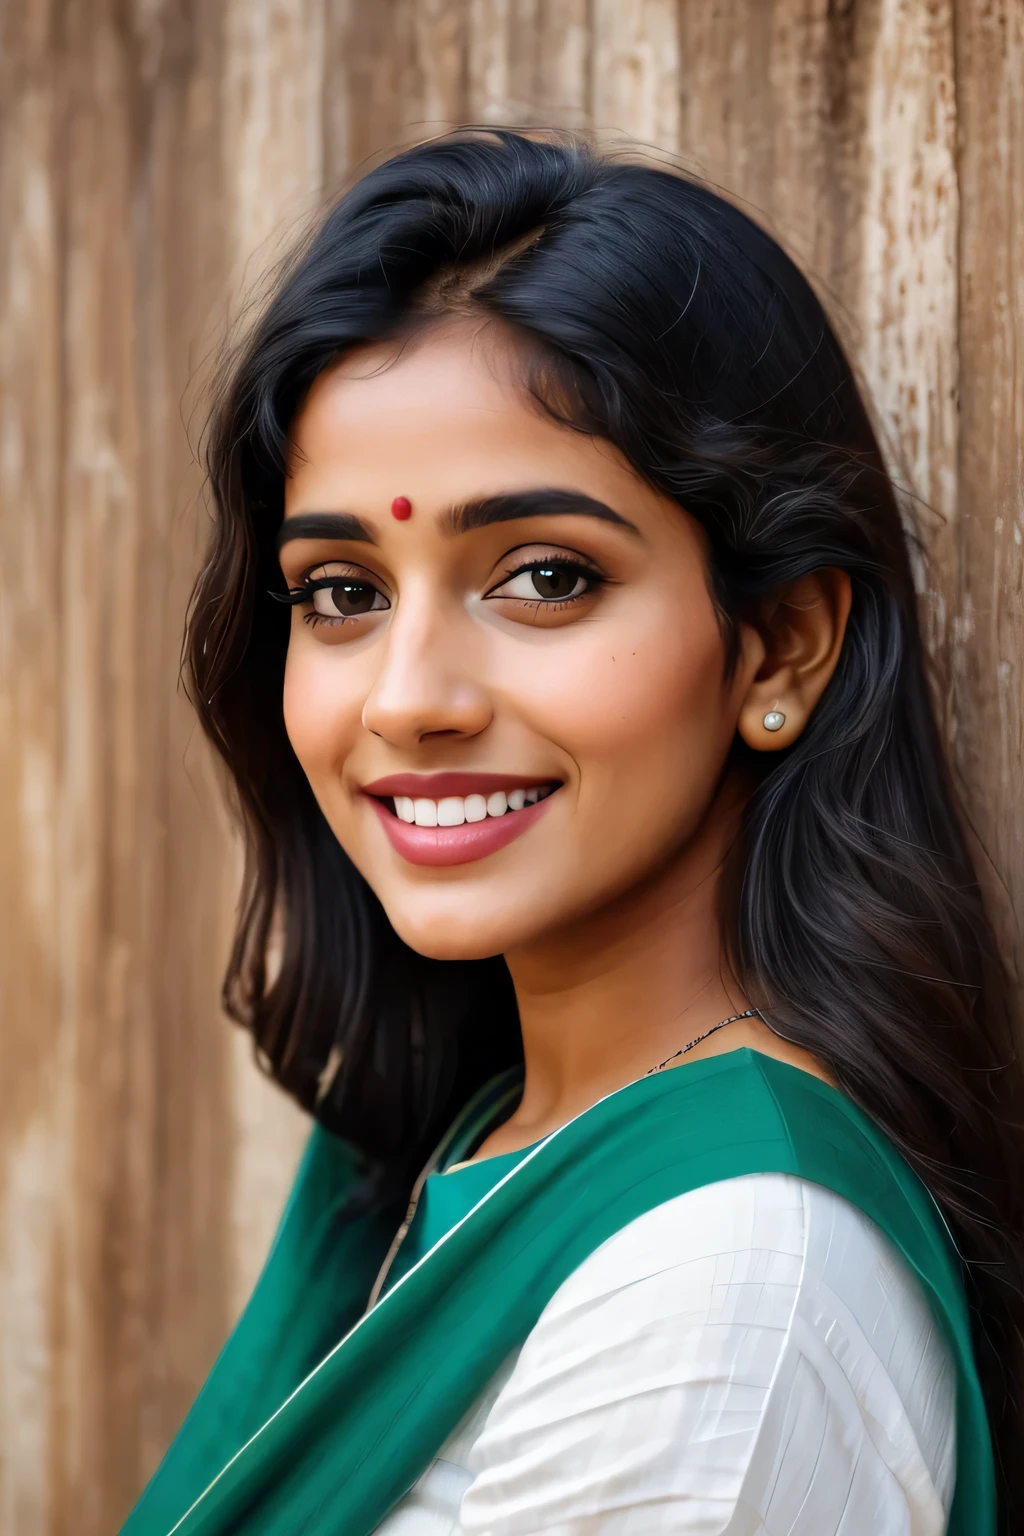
(449,818)
(455,810)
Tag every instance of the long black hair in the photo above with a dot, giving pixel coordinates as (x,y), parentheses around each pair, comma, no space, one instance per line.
(664,320)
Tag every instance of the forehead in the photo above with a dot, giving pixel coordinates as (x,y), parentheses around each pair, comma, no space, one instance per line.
(447,405)
(445,418)
(410,387)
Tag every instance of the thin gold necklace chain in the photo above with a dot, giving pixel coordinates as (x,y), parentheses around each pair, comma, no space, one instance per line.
(749,1013)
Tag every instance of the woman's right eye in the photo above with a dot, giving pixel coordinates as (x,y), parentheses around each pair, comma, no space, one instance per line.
(347,599)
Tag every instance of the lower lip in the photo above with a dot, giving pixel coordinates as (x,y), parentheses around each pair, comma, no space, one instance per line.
(440,846)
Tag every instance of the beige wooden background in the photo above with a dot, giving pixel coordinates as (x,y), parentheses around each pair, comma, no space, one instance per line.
(155,154)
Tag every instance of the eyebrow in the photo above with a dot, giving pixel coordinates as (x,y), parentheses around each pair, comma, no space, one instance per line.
(513,505)
(509,507)
(325,525)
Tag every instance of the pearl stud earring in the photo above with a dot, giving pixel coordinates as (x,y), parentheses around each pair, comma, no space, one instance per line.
(774,720)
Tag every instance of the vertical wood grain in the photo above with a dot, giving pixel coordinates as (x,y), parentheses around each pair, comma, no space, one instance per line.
(156,158)
(987,713)
(272,167)
(122,1128)
(528,62)
(124,1124)
(908,283)
(837,127)
(396,73)
(31,1143)
(635,74)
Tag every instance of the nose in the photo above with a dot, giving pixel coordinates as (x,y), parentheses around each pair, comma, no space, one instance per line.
(426,685)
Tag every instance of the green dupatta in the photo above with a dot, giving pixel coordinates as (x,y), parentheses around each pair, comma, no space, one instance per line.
(296,1432)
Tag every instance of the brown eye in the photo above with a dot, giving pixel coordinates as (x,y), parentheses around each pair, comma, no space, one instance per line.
(549,581)
(347,599)
(556,584)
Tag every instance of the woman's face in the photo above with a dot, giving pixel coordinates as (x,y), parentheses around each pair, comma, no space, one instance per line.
(511,704)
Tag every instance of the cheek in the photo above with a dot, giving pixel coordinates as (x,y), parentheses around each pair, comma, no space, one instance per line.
(322,709)
(641,700)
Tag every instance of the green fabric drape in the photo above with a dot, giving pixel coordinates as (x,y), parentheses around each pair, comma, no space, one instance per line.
(275,1447)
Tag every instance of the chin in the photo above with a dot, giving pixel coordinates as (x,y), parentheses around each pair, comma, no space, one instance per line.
(454,935)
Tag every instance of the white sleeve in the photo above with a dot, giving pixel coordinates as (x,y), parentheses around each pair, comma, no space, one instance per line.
(750,1359)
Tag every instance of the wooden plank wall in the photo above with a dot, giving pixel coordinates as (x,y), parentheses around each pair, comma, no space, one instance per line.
(156,155)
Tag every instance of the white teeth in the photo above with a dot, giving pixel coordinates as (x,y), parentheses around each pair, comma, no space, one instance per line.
(453,810)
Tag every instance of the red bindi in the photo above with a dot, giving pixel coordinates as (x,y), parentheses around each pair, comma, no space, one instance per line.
(401,508)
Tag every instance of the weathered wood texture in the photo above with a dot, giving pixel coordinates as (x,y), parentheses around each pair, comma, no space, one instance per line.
(156,154)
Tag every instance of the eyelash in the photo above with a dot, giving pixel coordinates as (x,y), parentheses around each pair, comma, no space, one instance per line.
(303,593)
(576,567)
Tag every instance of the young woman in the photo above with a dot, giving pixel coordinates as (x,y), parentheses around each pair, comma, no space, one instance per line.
(606,903)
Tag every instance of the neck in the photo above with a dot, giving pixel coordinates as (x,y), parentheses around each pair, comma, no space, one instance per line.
(612,995)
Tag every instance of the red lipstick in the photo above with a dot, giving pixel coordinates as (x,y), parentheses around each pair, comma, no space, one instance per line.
(440,846)
(434,786)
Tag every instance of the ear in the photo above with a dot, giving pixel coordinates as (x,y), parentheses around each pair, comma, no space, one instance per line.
(793,640)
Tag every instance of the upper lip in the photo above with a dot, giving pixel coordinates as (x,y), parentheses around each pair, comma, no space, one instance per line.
(435,786)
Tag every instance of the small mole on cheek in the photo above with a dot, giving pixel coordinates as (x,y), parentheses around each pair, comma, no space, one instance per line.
(401,508)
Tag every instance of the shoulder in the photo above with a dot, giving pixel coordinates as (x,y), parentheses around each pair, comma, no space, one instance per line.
(753,1341)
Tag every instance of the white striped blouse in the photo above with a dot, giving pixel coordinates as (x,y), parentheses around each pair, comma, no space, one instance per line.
(750,1359)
